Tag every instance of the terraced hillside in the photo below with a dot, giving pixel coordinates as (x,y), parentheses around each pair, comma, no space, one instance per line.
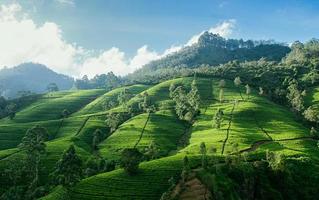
(251,125)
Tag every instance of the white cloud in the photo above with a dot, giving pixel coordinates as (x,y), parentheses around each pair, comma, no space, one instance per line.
(22,40)
(224,29)
(115,60)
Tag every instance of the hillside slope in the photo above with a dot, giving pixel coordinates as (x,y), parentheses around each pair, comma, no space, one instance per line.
(252,126)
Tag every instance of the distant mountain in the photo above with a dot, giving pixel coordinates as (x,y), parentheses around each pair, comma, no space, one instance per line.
(212,49)
(30,77)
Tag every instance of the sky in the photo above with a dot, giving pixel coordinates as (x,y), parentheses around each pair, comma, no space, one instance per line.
(81,37)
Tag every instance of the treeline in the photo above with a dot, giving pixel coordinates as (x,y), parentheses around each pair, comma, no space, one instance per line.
(8,108)
(212,49)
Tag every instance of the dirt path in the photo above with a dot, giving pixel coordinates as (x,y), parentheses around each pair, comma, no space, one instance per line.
(192,189)
(142,133)
(82,126)
(228,129)
(257,144)
(259,126)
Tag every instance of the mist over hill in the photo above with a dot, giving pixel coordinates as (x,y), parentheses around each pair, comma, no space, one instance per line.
(30,77)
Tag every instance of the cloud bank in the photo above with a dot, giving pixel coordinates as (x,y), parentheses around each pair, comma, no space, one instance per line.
(22,40)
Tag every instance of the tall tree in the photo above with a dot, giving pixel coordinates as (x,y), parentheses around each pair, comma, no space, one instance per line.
(295,97)
(33,143)
(238,83)
(222,84)
(97,137)
(68,170)
(203,152)
(124,97)
(152,150)
(194,97)
(248,90)
(130,160)
(218,118)
(52,87)
(113,121)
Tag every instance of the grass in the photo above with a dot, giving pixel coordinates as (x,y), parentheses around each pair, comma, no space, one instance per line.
(252,120)
(158,130)
(98,104)
(51,105)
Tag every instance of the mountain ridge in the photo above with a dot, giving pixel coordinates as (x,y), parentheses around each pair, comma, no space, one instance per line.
(30,77)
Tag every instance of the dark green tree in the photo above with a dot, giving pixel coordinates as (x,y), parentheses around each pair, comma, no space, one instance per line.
(130,160)
(33,143)
(113,121)
(203,152)
(68,170)
(218,118)
(52,87)
(152,151)
(97,138)
(124,97)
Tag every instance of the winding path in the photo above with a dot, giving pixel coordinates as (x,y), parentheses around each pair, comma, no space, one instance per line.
(228,129)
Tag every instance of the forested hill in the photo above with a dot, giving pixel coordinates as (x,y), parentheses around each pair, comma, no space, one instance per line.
(212,49)
(30,77)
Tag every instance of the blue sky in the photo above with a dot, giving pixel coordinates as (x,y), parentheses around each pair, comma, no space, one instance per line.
(128,25)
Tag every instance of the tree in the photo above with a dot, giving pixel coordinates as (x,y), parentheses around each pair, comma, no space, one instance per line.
(172,88)
(152,150)
(33,143)
(97,137)
(112,81)
(52,87)
(261,91)
(203,153)
(218,118)
(295,97)
(186,105)
(311,114)
(248,90)
(11,110)
(113,121)
(124,97)
(145,105)
(130,160)
(222,84)
(275,160)
(237,83)
(91,167)
(194,97)
(186,169)
(221,95)
(15,173)
(68,170)
(65,113)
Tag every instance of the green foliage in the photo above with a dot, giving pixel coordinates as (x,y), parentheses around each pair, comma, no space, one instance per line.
(114,120)
(68,170)
(152,151)
(295,97)
(97,138)
(130,160)
(311,114)
(186,104)
(218,118)
(203,152)
(52,87)
(124,97)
